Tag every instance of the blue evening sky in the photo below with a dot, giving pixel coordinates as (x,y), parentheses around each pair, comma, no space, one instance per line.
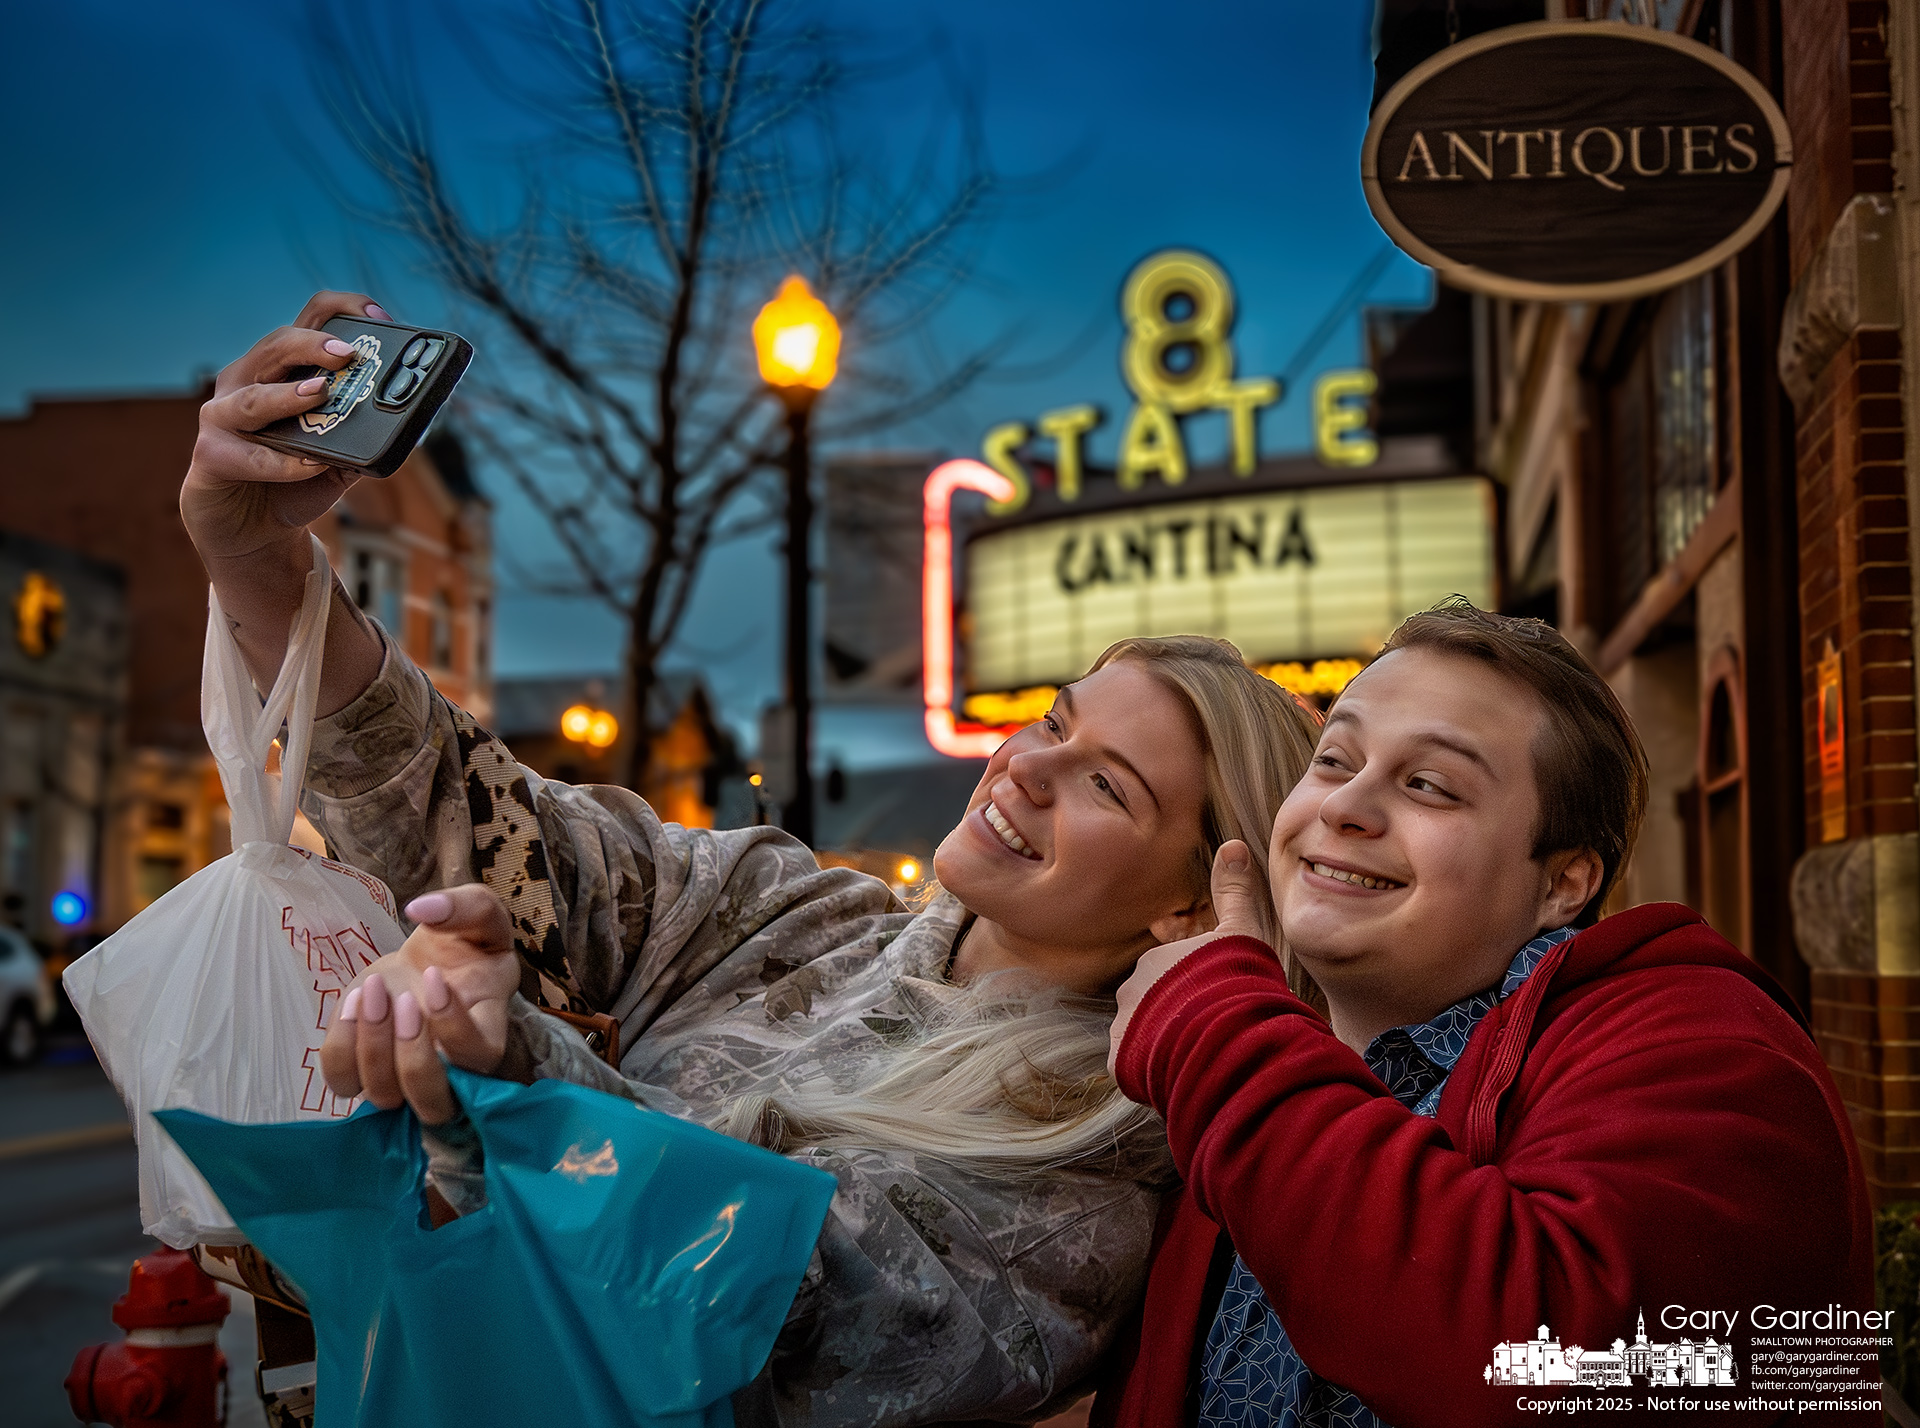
(159,216)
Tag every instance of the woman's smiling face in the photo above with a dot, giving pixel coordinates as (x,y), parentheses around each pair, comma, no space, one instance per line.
(1078,848)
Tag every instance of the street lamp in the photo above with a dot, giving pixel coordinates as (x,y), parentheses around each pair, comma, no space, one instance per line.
(586,725)
(798,344)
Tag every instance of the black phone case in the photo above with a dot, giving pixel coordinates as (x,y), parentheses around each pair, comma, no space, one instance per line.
(380,404)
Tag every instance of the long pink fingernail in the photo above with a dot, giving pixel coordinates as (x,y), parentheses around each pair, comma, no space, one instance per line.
(406,1017)
(430,908)
(375,1002)
(310,386)
(434,990)
(350,1008)
(377,312)
(339,348)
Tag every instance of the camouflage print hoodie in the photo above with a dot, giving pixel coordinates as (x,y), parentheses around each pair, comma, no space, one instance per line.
(735,964)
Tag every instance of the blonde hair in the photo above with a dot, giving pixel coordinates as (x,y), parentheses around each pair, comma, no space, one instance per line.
(1010,1078)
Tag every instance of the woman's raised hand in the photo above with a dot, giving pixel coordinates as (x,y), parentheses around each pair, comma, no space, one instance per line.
(1236,907)
(240,495)
(445,990)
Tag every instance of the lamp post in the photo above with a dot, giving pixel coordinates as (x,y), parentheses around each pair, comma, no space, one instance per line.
(798,344)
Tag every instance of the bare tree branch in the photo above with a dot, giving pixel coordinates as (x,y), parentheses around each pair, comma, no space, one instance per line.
(689,156)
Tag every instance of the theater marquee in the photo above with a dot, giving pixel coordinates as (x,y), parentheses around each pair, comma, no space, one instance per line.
(1302,574)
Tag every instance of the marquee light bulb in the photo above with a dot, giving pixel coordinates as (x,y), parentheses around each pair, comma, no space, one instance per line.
(576,722)
(602,729)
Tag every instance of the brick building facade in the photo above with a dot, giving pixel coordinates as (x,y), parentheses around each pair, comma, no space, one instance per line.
(1709,489)
(101,476)
(1844,359)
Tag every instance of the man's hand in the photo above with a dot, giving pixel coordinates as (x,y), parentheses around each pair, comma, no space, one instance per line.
(1236,902)
(445,990)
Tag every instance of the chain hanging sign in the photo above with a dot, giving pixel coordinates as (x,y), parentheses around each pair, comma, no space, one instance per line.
(1575,161)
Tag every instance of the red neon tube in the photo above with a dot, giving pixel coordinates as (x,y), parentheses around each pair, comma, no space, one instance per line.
(966,741)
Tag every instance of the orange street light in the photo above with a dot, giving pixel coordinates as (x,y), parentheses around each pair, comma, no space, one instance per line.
(798,343)
(797,339)
(586,725)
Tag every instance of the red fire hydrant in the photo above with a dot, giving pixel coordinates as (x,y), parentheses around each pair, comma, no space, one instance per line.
(169,1371)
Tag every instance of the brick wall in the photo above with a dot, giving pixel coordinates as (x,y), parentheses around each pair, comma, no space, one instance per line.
(103,477)
(1855,582)
(1840,111)
(1868,1029)
(1855,570)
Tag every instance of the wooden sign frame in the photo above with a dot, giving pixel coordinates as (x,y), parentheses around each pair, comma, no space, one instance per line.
(1481,279)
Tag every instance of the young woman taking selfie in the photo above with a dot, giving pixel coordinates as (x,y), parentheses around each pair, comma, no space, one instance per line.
(996,1194)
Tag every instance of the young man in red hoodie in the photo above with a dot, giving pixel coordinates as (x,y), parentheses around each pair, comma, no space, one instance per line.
(1513,1115)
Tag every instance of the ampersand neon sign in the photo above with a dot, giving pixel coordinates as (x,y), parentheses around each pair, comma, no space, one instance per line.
(959,741)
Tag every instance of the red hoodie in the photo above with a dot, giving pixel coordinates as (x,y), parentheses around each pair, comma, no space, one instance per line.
(1644,1123)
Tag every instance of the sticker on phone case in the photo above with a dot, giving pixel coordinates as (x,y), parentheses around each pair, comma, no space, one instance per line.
(347,388)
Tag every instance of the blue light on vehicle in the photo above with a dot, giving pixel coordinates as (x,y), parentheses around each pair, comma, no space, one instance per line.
(69,908)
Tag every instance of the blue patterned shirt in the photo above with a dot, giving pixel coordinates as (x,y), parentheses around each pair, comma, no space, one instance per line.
(1251,1376)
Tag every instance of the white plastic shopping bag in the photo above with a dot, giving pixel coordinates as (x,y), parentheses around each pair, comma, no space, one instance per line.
(217,997)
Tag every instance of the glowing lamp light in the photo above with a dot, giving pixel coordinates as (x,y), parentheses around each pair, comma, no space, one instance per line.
(586,725)
(69,908)
(907,872)
(936,621)
(797,339)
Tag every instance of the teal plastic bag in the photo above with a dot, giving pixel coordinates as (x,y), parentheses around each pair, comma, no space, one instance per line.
(628,1267)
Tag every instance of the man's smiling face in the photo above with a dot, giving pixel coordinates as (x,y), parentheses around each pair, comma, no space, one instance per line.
(1402,863)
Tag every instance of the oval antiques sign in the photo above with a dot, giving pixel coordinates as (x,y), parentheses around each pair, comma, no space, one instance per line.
(1583,161)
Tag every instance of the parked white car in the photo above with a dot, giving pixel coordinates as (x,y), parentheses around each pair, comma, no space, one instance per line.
(26,999)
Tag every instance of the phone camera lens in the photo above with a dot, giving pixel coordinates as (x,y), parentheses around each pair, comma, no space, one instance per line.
(401,386)
(411,356)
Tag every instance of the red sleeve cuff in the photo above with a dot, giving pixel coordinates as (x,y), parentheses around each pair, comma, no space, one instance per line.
(1183,990)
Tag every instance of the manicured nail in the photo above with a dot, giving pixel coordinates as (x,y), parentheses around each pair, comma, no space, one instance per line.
(434,990)
(430,908)
(406,1017)
(375,1002)
(309,461)
(350,1008)
(339,348)
(310,386)
(377,312)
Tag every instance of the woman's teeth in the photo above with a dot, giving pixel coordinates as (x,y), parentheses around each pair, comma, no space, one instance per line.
(997,821)
(1360,880)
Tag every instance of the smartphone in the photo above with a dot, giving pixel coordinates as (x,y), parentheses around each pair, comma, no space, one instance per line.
(380,404)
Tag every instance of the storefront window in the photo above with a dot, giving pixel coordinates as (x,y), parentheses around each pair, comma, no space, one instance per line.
(1722,856)
(379,582)
(441,652)
(16,849)
(1660,441)
(1683,452)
